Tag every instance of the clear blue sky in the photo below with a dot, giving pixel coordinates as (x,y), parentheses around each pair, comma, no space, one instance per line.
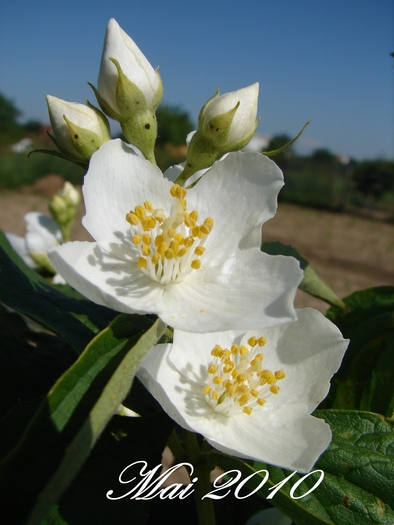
(322,60)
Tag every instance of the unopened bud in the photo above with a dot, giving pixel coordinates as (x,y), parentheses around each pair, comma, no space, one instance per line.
(129,89)
(78,130)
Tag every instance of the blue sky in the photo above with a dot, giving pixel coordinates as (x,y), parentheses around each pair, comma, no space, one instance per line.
(326,61)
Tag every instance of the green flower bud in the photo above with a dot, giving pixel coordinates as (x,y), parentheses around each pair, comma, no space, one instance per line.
(64,207)
(129,89)
(226,123)
(78,130)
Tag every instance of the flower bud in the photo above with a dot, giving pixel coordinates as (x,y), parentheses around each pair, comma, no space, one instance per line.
(226,123)
(64,207)
(129,89)
(78,130)
(70,194)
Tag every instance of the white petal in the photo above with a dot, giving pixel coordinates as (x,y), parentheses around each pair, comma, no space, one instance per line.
(158,375)
(287,437)
(105,278)
(42,233)
(250,290)
(240,193)
(19,245)
(117,181)
(310,351)
(133,62)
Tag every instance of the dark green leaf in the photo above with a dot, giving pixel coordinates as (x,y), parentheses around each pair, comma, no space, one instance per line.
(72,417)
(23,290)
(365,380)
(30,361)
(85,502)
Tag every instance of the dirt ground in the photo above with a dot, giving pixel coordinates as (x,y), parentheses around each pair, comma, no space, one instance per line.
(348,252)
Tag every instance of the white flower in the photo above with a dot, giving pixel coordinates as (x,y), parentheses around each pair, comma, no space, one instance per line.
(134,65)
(42,233)
(251,394)
(194,261)
(79,130)
(243,122)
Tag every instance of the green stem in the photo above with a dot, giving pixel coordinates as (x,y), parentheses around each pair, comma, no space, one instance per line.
(205,509)
(187,172)
(176,448)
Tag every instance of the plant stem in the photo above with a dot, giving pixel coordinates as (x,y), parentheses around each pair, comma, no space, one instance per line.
(205,509)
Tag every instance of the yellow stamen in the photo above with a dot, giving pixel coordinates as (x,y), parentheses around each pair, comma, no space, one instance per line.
(142,263)
(196,264)
(132,218)
(199,250)
(140,212)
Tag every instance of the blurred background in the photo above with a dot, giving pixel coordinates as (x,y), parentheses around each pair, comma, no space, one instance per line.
(328,62)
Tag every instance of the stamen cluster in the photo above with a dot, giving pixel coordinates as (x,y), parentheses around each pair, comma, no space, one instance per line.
(168,248)
(237,381)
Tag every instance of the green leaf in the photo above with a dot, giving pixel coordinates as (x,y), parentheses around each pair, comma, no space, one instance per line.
(358,485)
(71,418)
(30,362)
(23,290)
(84,501)
(365,380)
(311,283)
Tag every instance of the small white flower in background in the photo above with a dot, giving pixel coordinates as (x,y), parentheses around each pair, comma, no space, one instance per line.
(42,233)
(191,257)
(251,394)
(78,130)
(134,65)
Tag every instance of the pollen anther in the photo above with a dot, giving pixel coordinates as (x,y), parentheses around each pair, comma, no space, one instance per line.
(236,382)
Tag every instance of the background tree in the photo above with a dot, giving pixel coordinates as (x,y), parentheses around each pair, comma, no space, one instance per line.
(10,130)
(173,125)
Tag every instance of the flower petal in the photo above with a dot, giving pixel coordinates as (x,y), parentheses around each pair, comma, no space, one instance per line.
(106,279)
(42,233)
(240,193)
(19,245)
(287,437)
(249,290)
(117,181)
(310,351)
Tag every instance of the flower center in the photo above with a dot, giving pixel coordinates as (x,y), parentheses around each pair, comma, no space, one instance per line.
(237,381)
(168,249)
